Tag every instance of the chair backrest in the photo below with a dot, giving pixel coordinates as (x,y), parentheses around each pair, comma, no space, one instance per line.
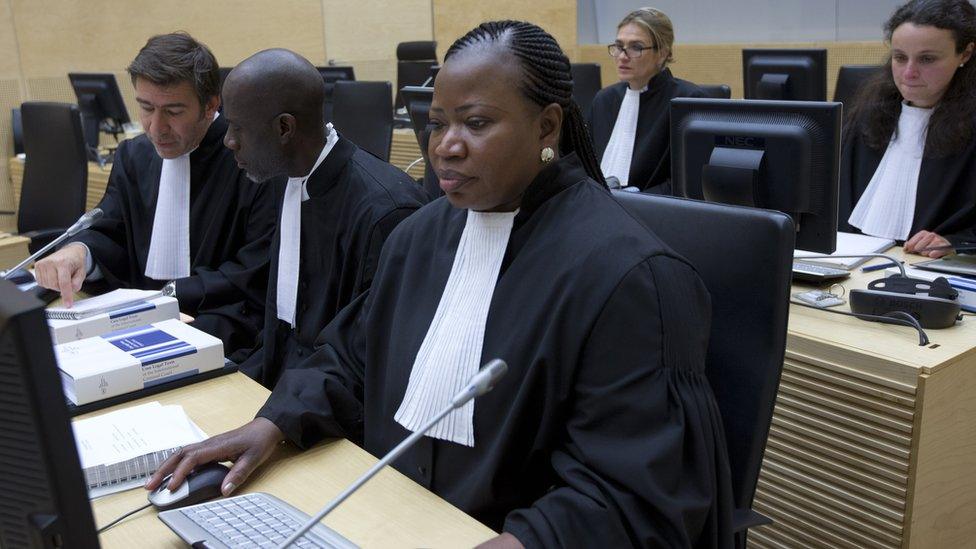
(745,258)
(363,114)
(18,128)
(419,50)
(850,78)
(56,171)
(716,91)
(586,83)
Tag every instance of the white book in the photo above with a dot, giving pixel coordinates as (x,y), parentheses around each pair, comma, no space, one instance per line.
(139,313)
(120,449)
(128,360)
(105,303)
(847,244)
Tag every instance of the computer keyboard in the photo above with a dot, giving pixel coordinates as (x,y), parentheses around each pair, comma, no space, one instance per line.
(255,520)
(817,273)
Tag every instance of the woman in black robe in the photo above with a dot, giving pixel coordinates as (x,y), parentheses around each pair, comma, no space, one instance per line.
(928,75)
(641,52)
(604,432)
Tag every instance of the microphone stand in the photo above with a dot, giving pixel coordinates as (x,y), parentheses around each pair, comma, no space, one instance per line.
(481,383)
(83,223)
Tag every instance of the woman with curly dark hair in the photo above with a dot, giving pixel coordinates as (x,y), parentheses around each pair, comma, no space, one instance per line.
(909,160)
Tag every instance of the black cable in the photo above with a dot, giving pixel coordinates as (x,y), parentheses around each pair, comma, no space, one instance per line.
(123,517)
(899,318)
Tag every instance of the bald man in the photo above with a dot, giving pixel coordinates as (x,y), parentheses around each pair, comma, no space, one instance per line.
(338,206)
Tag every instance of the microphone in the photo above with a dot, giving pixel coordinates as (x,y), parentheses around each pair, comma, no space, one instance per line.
(83,223)
(480,383)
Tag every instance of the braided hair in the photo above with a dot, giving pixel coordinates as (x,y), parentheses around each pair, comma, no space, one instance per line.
(546,79)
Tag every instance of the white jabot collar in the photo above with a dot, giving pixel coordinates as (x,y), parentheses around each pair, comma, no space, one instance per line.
(451,350)
(290,229)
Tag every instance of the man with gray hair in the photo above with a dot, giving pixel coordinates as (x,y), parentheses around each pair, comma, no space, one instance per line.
(339,204)
(179,213)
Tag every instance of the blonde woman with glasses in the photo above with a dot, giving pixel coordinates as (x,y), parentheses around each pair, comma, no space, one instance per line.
(629,121)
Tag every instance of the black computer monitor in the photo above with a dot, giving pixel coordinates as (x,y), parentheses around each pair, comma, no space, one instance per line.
(43,500)
(779,155)
(332,73)
(417,100)
(101,105)
(795,75)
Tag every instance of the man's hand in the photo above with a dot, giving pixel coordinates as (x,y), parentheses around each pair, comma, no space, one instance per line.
(926,239)
(64,271)
(247,446)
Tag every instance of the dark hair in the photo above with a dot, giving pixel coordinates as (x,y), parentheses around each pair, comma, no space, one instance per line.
(546,79)
(875,110)
(169,59)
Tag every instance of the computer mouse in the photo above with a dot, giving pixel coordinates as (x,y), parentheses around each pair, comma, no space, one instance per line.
(201,485)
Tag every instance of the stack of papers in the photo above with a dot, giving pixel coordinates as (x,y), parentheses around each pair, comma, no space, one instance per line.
(106,303)
(847,244)
(120,449)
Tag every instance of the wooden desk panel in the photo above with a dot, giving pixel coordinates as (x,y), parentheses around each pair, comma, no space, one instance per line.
(13,249)
(390,510)
(872,442)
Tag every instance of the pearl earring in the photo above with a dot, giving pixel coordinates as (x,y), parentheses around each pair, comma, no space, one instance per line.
(547,155)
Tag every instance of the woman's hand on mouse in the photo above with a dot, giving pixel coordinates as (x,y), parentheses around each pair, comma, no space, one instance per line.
(247,446)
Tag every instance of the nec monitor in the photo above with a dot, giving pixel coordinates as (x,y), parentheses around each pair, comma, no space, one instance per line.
(795,75)
(44,501)
(101,105)
(778,155)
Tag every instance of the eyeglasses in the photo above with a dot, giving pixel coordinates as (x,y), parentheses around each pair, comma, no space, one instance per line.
(633,51)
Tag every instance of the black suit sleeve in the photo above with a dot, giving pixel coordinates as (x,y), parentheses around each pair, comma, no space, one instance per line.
(323,396)
(643,460)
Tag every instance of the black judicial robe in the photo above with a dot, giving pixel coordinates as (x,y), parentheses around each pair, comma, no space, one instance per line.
(945,201)
(231,225)
(603,433)
(650,165)
(355,201)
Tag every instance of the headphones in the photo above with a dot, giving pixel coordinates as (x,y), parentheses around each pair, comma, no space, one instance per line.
(933,303)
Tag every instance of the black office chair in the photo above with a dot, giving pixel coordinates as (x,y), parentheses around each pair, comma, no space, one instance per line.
(586,83)
(18,128)
(364,115)
(745,259)
(415,64)
(53,192)
(330,75)
(850,78)
(716,91)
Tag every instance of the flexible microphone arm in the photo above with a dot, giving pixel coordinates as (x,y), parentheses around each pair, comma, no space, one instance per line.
(83,223)
(901,267)
(480,383)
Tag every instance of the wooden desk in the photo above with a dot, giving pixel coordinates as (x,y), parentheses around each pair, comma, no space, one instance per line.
(873,442)
(13,249)
(390,510)
(403,151)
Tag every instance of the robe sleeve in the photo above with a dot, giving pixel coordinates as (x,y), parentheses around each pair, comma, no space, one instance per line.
(323,396)
(643,460)
(107,238)
(243,278)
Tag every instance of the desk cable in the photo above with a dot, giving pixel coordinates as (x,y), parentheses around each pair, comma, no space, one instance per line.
(899,318)
(123,517)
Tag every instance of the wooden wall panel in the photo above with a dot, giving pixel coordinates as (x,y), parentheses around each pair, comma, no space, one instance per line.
(365,33)
(454,18)
(722,63)
(98,35)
